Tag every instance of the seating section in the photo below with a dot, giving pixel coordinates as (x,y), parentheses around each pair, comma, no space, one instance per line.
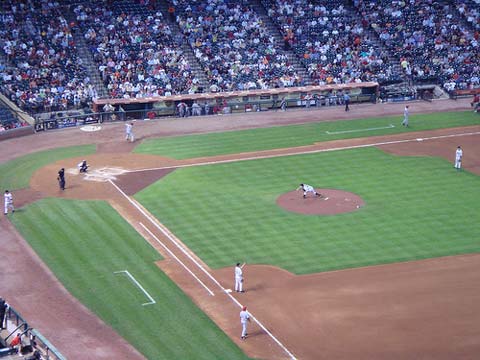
(331,41)
(233,45)
(43,70)
(135,49)
(8,120)
(138,53)
(470,11)
(432,43)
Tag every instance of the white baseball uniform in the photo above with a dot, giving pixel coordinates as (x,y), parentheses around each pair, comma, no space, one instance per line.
(244,317)
(458,158)
(307,188)
(8,202)
(405,117)
(129,132)
(239,278)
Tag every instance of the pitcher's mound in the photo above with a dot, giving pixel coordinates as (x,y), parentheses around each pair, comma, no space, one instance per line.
(330,203)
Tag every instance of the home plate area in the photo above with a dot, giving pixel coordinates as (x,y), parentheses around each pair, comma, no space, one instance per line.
(104,174)
(331,202)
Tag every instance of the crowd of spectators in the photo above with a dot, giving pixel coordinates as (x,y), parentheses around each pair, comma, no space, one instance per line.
(332,43)
(44,71)
(470,10)
(430,41)
(233,45)
(136,52)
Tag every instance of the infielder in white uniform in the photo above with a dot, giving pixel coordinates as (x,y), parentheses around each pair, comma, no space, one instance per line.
(129,136)
(8,201)
(458,158)
(308,189)
(244,319)
(239,277)
(405,117)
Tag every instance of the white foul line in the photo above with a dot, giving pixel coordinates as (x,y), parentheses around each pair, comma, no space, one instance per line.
(269,156)
(359,130)
(139,286)
(171,237)
(176,258)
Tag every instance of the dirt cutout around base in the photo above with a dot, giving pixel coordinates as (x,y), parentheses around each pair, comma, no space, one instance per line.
(331,202)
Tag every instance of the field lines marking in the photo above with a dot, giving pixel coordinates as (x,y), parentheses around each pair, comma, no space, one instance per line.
(144,213)
(269,156)
(176,258)
(175,241)
(152,301)
(359,130)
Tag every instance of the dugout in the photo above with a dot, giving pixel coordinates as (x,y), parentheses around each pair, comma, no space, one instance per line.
(245,101)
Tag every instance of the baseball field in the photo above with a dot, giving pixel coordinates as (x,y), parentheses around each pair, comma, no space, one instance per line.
(384,265)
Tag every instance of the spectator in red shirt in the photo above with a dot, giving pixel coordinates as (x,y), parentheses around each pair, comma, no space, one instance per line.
(16,341)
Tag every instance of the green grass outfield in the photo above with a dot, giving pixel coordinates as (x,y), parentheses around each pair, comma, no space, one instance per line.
(232,142)
(416,208)
(16,174)
(84,243)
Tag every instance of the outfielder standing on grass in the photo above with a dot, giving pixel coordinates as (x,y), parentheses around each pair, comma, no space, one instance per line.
(458,158)
(308,189)
(8,201)
(239,277)
(244,319)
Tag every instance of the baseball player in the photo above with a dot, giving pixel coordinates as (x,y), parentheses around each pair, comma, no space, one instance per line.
(129,136)
(308,189)
(61,179)
(239,277)
(405,117)
(8,201)
(82,166)
(244,319)
(458,158)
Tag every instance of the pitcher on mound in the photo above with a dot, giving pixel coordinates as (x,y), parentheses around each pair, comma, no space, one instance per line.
(308,189)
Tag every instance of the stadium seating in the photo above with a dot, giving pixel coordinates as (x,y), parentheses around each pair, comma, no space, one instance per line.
(331,41)
(137,51)
(431,42)
(234,46)
(42,69)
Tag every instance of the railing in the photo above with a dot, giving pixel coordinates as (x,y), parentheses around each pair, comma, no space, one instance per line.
(38,341)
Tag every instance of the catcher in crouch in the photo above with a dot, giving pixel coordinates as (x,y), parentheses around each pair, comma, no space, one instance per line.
(308,189)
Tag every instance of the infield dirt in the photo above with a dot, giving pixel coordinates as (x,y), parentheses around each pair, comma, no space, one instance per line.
(424,309)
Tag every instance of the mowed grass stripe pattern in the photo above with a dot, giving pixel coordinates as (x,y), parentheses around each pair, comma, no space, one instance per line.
(16,174)
(416,208)
(84,243)
(181,147)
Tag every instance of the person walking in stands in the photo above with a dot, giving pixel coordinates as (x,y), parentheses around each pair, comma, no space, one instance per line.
(61,179)
(3,310)
(171,12)
(458,158)
(8,202)
(346,100)
(405,116)
(244,319)
(239,277)
(129,136)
